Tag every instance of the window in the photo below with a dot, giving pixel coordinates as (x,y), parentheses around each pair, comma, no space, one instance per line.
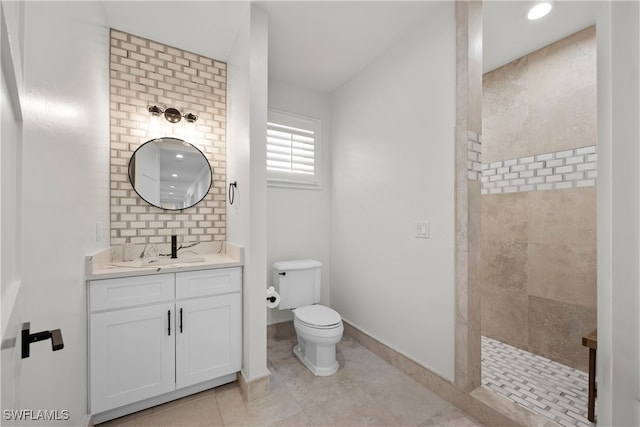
(293,150)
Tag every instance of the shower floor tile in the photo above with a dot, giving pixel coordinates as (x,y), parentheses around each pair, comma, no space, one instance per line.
(548,388)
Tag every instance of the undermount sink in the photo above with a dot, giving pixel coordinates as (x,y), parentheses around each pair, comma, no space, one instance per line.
(158,261)
(150,262)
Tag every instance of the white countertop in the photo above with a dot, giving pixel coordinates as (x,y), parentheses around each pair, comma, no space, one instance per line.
(108,264)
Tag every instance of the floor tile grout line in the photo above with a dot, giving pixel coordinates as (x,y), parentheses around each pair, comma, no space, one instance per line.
(498,358)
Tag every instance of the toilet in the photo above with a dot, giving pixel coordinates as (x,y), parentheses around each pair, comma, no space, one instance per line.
(318,328)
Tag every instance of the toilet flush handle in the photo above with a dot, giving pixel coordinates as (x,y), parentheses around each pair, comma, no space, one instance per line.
(284,273)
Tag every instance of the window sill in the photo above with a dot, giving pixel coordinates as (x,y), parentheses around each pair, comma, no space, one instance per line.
(293,184)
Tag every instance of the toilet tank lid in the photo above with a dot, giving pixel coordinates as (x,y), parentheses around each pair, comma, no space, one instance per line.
(299,264)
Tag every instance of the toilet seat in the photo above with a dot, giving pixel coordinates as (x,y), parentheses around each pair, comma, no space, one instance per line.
(318,317)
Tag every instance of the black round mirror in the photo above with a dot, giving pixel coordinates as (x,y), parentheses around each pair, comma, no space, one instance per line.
(170,173)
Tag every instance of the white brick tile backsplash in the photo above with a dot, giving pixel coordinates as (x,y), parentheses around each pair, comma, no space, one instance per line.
(546,171)
(586,166)
(546,156)
(586,150)
(525,160)
(563,154)
(564,169)
(574,160)
(535,180)
(586,183)
(536,165)
(510,175)
(144,72)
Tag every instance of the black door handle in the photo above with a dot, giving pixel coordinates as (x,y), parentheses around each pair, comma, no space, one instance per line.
(181,320)
(28,338)
(169,322)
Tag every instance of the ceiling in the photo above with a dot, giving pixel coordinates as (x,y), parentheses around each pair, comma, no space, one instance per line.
(508,35)
(320,44)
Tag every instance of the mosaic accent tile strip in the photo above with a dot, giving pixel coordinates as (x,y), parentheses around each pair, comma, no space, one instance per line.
(548,388)
(549,171)
(474,149)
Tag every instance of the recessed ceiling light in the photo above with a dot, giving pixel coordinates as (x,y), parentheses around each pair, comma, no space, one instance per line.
(539,10)
(179,156)
(175,175)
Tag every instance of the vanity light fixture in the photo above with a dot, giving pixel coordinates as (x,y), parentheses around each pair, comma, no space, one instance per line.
(539,10)
(172,115)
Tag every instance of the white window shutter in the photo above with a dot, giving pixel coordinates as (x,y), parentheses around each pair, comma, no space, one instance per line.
(292,150)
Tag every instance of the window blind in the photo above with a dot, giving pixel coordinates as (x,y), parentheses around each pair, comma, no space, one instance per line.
(291,148)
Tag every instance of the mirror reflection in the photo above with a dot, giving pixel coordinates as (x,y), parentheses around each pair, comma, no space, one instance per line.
(170,173)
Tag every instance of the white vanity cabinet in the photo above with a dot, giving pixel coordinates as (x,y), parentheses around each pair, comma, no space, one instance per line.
(158,337)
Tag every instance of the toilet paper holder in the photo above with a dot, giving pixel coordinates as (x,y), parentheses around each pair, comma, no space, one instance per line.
(273,299)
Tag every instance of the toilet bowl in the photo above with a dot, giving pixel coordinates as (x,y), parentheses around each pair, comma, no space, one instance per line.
(318,329)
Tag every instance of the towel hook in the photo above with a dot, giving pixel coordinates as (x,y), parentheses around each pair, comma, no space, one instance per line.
(232,191)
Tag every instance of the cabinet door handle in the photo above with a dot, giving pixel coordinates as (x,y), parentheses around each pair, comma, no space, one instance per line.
(169,322)
(180,320)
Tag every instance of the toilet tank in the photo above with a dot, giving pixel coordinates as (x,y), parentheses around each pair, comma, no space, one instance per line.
(297,282)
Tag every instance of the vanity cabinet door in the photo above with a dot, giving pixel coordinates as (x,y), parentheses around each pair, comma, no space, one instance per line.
(210,341)
(132,355)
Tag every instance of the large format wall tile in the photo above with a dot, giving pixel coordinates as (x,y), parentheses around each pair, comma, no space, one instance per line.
(504,317)
(562,67)
(504,266)
(556,330)
(563,273)
(543,102)
(505,112)
(538,211)
(563,122)
(563,217)
(505,217)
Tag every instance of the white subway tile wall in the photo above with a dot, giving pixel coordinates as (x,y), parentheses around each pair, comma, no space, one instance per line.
(549,171)
(142,73)
(474,150)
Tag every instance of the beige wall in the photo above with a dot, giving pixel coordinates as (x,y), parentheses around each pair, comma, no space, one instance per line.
(142,73)
(539,200)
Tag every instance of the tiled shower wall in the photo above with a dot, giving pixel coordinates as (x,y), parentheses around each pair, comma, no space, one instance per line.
(142,73)
(539,200)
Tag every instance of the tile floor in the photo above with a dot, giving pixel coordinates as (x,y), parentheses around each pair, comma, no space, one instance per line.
(548,388)
(366,391)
